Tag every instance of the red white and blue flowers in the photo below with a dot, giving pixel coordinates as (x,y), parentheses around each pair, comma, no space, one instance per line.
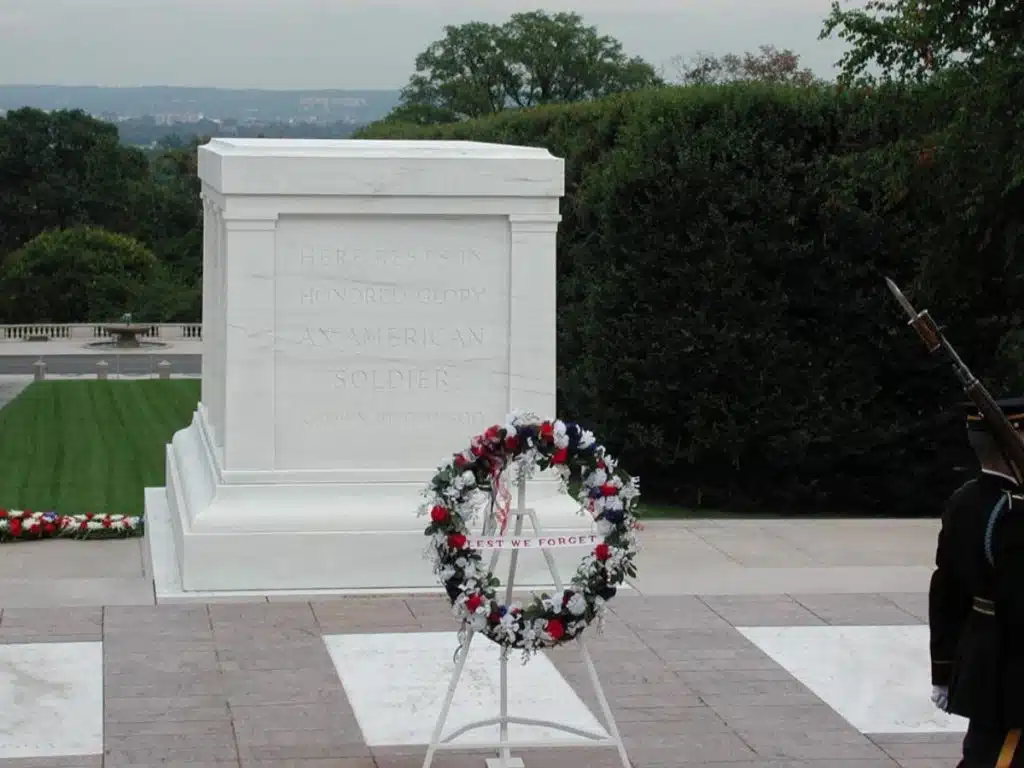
(472,481)
(24,525)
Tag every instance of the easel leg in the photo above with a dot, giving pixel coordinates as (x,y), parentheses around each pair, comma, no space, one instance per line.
(602,700)
(505,759)
(442,716)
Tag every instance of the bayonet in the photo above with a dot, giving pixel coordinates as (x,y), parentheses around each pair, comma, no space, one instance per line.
(934,340)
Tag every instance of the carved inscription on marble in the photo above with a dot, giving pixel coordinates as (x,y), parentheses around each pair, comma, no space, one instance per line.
(364,338)
(399,324)
(390,294)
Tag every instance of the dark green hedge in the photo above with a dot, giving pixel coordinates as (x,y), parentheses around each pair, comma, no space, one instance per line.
(722,319)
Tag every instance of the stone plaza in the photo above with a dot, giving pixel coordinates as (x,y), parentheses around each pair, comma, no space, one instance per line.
(771,644)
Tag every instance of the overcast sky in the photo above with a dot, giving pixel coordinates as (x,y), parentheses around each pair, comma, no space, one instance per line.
(349,43)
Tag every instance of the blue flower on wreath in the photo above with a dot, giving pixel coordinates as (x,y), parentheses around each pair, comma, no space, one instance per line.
(613,516)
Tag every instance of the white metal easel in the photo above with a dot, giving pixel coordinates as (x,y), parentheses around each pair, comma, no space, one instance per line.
(504,719)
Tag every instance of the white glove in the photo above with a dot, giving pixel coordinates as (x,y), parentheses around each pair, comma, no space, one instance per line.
(940,696)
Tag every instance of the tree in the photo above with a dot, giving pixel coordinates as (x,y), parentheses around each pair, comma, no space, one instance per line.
(64,169)
(83,274)
(768,65)
(534,58)
(966,56)
(912,40)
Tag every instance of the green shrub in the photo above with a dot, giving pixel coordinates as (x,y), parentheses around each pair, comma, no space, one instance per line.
(722,317)
(84,274)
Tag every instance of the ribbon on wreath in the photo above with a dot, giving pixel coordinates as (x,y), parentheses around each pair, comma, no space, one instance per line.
(502,499)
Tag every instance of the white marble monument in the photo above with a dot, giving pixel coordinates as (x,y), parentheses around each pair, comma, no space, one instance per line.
(368,306)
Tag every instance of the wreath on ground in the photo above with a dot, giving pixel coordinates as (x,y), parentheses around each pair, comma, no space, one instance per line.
(25,525)
(473,480)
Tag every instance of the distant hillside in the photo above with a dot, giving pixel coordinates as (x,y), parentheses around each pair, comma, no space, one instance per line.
(213,103)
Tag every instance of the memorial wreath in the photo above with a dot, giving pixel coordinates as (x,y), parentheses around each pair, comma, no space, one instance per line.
(478,478)
(25,525)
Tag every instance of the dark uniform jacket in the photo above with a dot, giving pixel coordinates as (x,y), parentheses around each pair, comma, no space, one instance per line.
(976,606)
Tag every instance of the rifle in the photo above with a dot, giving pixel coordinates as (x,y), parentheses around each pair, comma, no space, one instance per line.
(1005,435)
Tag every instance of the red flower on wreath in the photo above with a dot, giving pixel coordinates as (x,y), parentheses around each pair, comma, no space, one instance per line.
(456,540)
(608,490)
(438,514)
(511,443)
(15,527)
(602,552)
(560,456)
(555,628)
(473,602)
(547,431)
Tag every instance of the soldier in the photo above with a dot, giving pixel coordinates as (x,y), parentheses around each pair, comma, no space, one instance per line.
(976,603)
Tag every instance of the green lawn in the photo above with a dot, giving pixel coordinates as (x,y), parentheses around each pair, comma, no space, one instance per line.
(93,446)
(89,446)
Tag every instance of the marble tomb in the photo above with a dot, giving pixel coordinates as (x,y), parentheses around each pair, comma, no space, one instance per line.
(367,307)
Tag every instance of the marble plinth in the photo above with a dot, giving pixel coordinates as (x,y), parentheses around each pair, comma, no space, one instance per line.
(367,308)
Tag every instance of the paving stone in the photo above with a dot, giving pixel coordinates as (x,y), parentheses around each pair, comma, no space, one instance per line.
(666,613)
(161,741)
(928,746)
(914,603)
(51,625)
(171,709)
(412,757)
(761,610)
(259,657)
(856,610)
(804,717)
(345,762)
(299,731)
(361,615)
(802,744)
(84,761)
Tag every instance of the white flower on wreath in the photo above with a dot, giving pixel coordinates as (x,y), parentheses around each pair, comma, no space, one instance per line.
(560,434)
(552,605)
(577,604)
(521,418)
(529,636)
(604,528)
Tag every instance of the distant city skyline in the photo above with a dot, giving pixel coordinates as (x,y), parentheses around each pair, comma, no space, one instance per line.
(352,44)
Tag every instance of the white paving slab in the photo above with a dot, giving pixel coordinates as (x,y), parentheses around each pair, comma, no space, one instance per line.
(877,678)
(397,683)
(51,700)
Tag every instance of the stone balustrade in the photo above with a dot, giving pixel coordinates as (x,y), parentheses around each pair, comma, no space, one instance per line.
(85,331)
